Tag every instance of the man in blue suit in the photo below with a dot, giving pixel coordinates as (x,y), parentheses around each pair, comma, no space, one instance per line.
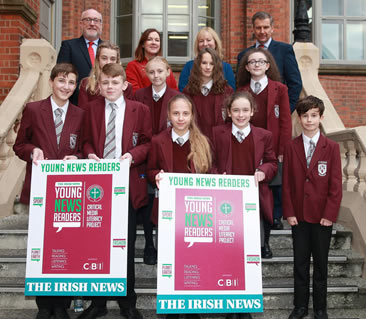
(282,52)
(81,51)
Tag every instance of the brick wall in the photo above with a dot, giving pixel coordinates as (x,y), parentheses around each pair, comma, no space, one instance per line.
(13,28)
(71,13)
(348,97)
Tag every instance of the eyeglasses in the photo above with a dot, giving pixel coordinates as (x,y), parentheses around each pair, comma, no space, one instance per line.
(259,62)
(90,20)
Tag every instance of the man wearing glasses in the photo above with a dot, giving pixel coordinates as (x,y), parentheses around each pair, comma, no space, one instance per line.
(81,51)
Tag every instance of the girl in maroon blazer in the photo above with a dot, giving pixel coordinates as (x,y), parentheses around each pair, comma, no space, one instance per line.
(208,89)
(258,74)
(240,148)
(181,148)
(156,97)
(89,88)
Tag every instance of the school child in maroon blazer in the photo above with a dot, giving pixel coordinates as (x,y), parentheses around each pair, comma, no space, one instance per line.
(181,148)
(241,148)
(39,139)
(132,143)
(312,194)
(156,97)
(258,74)
(208,89)
(89,88)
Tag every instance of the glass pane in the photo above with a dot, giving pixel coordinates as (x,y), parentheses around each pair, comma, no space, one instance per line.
(332,40)
(332,7)
(178,7)
(124,36)
(124,7)
(206,8)
(206,22)
(356,8)
(151,6)
(178,34)
(155,21)
(355,41)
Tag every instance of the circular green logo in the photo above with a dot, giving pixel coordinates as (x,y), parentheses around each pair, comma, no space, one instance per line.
(95,193)
(226,208)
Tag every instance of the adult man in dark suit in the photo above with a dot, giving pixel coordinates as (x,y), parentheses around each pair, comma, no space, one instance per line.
(81,51)
(282,52)
(51,129)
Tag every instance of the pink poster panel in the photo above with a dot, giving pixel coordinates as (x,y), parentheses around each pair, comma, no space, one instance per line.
(77,224)
(209,244)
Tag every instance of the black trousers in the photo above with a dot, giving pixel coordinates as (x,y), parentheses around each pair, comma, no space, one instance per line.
(51,302)
(130,300)
(311,240)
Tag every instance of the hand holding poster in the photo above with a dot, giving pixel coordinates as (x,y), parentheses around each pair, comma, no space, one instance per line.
(77,238)
(209,244)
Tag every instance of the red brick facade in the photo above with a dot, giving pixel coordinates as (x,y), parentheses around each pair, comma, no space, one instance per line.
(236,33)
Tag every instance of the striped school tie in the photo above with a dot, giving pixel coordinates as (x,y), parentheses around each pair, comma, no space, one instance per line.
(240,136)
(310,153)
(110,136)
(59,124)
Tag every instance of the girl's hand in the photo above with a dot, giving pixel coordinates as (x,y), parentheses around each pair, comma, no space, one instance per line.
(127,156)
(37,155)
(93,157)
(326,222)
(292,221)
(280,158)
(69,157)
(259,176)
(158,178)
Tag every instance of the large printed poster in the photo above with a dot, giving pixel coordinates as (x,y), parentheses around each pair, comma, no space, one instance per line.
(209,244)
(77,238)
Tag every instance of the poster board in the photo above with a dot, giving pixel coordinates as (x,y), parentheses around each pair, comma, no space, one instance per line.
(209,244)
(77,232)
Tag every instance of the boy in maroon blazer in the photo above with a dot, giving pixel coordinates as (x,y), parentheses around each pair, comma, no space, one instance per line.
(51,129)
(312,193)
(119,128)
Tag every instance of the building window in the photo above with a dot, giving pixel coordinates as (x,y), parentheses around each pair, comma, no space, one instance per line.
(177,20)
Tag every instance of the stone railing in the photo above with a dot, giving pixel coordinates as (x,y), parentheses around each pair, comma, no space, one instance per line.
(352,143)
(37,57)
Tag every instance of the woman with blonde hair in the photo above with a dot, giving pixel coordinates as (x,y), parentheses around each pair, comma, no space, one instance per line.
(207,38)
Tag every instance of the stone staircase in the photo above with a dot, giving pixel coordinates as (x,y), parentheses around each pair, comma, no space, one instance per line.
(346,289)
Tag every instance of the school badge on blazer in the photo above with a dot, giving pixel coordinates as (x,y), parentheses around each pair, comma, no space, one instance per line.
(277,110)
(322,168)
(135,138)
(73,139)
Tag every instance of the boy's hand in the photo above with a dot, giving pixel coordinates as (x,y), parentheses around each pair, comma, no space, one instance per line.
(37,155)
(326,222)
(127,156)
(292,221)
(258,177)
(69,157)
(280,158)
(158,178)
(93,157)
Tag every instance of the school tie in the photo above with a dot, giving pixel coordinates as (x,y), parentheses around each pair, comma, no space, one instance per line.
(91,52)
(59,124)
(156,97)
(261,46)
(257,87)
(239,136)
(205,90)
(110,136)
(310,153)
(180,141)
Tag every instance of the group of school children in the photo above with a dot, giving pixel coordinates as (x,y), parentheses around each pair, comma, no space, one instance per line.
(208,129)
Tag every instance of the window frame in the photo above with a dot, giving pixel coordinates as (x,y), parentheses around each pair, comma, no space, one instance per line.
(137,29)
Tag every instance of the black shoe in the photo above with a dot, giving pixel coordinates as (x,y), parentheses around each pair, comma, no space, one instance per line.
(320,314)
(60,313)
(150,255)
(298,313)
(93,312)
(266,251)
(277,224)
(131,313)
(238,316)
(44,313)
